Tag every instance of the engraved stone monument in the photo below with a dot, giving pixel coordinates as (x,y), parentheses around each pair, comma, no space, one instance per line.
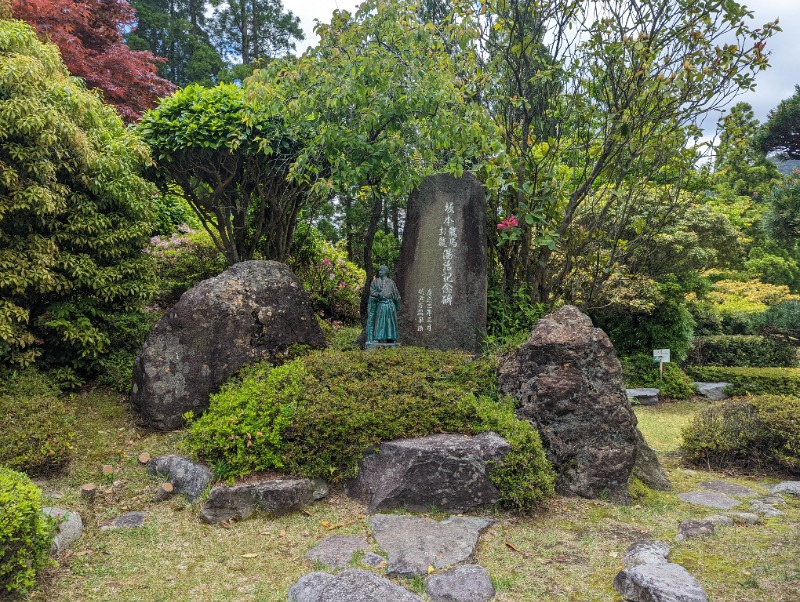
(442,268)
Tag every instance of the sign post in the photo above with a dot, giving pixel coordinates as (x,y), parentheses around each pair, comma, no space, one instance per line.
(661,356)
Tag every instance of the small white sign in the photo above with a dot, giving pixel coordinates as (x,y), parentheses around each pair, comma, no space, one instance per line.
(660,355)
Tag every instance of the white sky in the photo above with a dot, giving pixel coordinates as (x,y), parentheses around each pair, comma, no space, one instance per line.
(774,84)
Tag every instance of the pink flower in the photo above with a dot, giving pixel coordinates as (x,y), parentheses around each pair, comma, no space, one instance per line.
(509,222)
(331,276)
(342,284)
(326,262)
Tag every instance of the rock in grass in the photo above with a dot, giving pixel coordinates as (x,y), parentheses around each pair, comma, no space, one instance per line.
(693,528)
(712,391)
(727,488)
(709,499)
(763,509)
(351,585)
(790,487)
(69,529)
(744,518)
(643,396)
(646,552)
(665,582)
(186,476)
(719,520)
(129,520)
(274,497)
(335,552)
(467,583)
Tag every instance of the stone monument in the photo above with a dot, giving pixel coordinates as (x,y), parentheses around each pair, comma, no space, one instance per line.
(442,268)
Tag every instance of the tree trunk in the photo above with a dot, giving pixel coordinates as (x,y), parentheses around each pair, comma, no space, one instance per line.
(369,238)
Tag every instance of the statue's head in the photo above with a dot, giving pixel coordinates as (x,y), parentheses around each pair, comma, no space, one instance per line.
(383,271)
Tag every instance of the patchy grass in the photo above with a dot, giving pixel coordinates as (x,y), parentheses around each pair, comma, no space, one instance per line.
(568,550)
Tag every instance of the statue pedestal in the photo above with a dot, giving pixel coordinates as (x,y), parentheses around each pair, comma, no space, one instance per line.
(376,345)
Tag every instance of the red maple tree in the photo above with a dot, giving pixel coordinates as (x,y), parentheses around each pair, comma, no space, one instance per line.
(89,34)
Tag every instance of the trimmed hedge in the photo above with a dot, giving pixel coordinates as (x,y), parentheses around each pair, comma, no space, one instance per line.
(318,415)
(37,430)
(751,381)
(741,350)
(640,370)
(757,433)
(25,533)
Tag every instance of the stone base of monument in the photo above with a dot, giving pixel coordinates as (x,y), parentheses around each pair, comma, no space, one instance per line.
(376,345)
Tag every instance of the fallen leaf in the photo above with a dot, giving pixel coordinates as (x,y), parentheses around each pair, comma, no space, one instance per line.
(511,546)
(330,528)
(359,516)
(250,555)
(306,512)
(282,533)
(430,569)
(325,523)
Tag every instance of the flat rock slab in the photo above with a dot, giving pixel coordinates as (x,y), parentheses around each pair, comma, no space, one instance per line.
(712,391)
(659,583)
(186,476)
(694,528)
(129,520)
(719,520)
(449,472)
(773,499)
(709,499)
(351,585)
(646,552)
(70,528)
(726,488)
(643,397)
(275,497)
(376,561)
(744,518)
(468,583)
(414,543)
(763,509)
(790,487)
(335,552)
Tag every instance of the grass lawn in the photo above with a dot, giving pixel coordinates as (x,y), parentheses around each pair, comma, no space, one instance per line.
(569,550)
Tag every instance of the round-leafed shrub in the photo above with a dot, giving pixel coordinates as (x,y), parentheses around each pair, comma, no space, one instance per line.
(37,428)
(317,415)
(759,433)
(25,533)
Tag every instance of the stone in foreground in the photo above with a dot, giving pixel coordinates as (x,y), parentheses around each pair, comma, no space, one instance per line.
(69,528)
(709,499)
(790,487)
(643,397)
(449,472)
(254,310)
(335,552)
(468,583)
(666,582)
(129,520)
(568,381)
(693,528)
(414,543)
(726,488)
(274,497)
(712,391)
(646,552)
(186,476)
(351,585)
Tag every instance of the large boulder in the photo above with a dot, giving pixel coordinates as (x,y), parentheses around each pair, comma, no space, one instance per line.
(449,472)
(275,497)
(186,476)
(254,310)
(569,384)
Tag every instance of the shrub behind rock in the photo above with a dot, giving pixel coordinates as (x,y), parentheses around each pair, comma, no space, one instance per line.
(36,428)
(316,416)
(25,533)
(757,433)
(741,350)
(751,381)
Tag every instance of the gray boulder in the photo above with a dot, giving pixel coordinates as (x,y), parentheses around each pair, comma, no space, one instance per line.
(128,520)
(450,472)
(719,520)
(693,528)
(69,528)
(663,582)
(643,396)
(351,585)
(712,391)
(767,510)
(254,310)
(568,381)
(186,476)
(790,487)
(646,552)
(335,552)
(468,583)
(274,497)
(414,543)
(744,518)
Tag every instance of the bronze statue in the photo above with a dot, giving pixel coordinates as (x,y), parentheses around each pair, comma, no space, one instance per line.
(384,303)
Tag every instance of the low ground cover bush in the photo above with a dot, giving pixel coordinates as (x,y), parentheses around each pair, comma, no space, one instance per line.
(318,415)
(751,381)
(640,370)
(741,350)
(25,533)
(36,428)
(756,433)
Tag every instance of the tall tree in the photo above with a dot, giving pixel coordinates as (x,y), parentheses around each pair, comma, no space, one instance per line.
(781,132)
(89,34)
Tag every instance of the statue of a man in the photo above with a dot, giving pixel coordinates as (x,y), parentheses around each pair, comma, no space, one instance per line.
(384,303)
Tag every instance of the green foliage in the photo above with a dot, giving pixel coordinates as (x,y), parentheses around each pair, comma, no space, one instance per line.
(318,415)
(757,433)
(782,218)
(38,429)
(74,212)
(780,132)
(741,350)
(172,215)
(385,250)
(639,370)
(783,319)
(773,268)
(510,313)
(25,533)
(751,381)
(127,333)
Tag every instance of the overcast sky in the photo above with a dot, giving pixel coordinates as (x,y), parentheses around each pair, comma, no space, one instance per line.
(774,84)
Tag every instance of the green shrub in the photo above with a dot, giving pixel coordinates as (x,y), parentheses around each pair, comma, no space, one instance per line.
(510,315)
(640,370)
(757,433)
(751,381)
(782,319)
(318,415)
(127,333)
(172,214)
(740,350)
(37,429)
(25,533)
